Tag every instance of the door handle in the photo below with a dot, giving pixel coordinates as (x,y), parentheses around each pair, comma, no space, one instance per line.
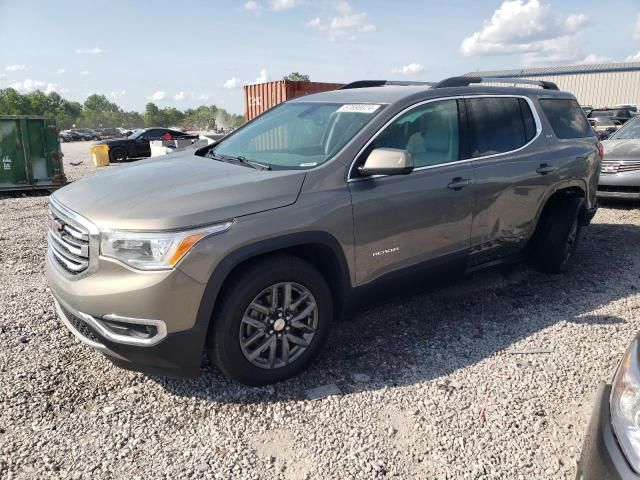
(545,168)
(458,183)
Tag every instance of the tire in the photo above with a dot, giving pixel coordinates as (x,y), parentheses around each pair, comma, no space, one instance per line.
(118,154)
(557,236)
(234,321)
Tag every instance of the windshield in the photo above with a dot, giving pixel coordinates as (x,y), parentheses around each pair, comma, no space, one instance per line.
(136,133)
(298,135)
(631,130)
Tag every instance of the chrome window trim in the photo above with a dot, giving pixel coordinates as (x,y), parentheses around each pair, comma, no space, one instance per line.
(94,237)
(534,112)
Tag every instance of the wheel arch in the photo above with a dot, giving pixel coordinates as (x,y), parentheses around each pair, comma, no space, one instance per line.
(320,249)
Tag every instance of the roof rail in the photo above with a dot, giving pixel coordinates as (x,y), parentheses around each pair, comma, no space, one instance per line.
(466,81)
(381,83)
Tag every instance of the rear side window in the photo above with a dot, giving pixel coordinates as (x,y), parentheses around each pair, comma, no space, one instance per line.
(566,118)
(498,125)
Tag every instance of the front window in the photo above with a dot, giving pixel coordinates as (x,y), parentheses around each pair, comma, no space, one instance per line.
(298,135)
(631,131)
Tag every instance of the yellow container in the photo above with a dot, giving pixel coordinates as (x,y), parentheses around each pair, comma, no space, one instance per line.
(100,154)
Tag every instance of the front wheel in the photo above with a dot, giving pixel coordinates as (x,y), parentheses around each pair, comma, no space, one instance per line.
(557,236)
(273,318)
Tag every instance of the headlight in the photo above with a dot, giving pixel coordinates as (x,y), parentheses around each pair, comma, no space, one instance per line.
(153,250)
(625,406)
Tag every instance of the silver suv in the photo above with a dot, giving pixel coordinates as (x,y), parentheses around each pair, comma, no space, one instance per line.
(251,247)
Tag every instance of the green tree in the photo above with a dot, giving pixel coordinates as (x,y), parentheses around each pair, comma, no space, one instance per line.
(297,77)
(153,116)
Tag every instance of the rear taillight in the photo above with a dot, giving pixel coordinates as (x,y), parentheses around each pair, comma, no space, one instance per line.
(600,148)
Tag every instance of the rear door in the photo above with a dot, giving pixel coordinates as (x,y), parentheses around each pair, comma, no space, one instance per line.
(513,169)
(572,144)
(406,220)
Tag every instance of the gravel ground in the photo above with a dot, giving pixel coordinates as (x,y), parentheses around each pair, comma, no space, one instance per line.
(491,377)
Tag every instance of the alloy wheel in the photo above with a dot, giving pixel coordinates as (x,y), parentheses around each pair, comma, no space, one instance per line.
(278,325)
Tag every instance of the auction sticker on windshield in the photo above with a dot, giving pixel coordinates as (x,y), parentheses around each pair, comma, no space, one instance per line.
(358,108)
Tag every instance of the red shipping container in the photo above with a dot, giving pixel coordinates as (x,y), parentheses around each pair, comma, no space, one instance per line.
(260,97)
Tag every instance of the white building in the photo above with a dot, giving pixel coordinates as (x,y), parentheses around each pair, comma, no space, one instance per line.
(599,85)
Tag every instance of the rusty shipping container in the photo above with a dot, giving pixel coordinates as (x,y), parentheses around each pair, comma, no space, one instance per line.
(260,97)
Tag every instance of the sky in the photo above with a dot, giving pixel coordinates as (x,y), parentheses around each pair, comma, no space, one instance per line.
(184,54)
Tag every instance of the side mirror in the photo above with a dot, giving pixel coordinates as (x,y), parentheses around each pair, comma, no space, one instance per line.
(387,161)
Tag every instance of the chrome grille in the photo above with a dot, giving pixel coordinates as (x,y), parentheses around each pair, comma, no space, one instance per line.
(68,242)
(613,166)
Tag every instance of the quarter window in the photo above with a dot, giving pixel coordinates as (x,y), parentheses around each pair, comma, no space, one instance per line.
(498,125)
(428,132)
(566,118)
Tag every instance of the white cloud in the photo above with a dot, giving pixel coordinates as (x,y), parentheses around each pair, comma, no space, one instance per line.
(89,51)
(263,76)
(633,58)
(636,31)
(528,27)
(314,22)
(158,96)
(252,7)
(203,96)
(84,72)
(278,5)
(3,76)
(28,85)
(594,58)
(233,82)
(409,69)
(51,87)
(179,97)
(116,95)
(15,68)
(60,71)
(345,25)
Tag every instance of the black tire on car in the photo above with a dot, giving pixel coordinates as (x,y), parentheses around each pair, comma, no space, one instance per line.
(557,235)
(255,338)
(117,154)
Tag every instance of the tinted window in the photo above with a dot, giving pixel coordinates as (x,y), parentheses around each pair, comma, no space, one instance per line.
(429,132)
(498,125)
(566,118)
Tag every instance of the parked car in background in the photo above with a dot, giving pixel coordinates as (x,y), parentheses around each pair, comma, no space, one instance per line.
(603,126)
(125,132)
(86,133)
(611,448)
(75,136)
(631,106)
(250,247)
(137,145)
(106,133)
(619,115)
(64,137)
(620,174)
(587,109)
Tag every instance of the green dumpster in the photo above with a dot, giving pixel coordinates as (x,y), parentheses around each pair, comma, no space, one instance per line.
(30,156)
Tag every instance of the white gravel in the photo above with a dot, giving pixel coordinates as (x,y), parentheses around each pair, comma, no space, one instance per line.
(492,377)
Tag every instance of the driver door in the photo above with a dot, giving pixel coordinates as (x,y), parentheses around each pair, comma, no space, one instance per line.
(402,221)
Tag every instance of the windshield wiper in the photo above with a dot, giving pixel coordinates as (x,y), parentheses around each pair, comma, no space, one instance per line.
(241,160)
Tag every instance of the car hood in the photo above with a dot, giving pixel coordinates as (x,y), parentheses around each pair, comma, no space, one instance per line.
(621,149)
(181,190)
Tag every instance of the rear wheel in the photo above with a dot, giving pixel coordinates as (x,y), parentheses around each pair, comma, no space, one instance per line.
(273,318)
(557,236)
(117,154)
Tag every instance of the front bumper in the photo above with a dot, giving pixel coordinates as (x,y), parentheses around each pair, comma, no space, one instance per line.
(619,185)
(601,457)
(95,307)
(176,354)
